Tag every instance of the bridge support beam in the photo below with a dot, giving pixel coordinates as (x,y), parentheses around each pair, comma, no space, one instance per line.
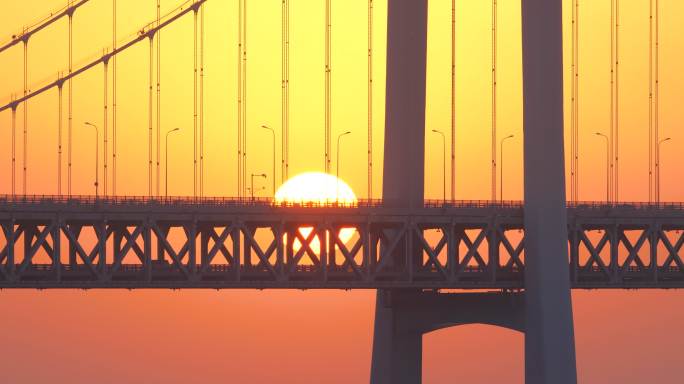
(402,317)
(549,340)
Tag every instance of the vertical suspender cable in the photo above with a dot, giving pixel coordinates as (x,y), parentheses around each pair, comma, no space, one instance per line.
(572,105)
(327,86)
(105,120)
(194,106)
(617,100)
(239,101)
(577,98)
(285,85)
(25,113)
(370,99)
(70,101)
(14,148)
(59,137)
(201,101)
(656,109)
(244,98)
(158,33)
(650,101)
(149,114)
(114,99)
(612,97)
(574,115)
(494,49)
(453,100)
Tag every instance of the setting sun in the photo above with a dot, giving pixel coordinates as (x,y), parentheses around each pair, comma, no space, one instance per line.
(317,188)
(320,189)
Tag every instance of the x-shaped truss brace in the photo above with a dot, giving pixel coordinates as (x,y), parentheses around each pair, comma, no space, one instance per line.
(432,253)
(218,246)
(514,253)
(87,258)
(473,251)
(673,250)
(594,252)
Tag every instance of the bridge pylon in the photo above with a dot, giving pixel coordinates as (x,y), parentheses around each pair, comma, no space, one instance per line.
(544,310)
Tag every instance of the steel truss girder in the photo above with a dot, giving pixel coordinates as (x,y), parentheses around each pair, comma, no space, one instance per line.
(257,247)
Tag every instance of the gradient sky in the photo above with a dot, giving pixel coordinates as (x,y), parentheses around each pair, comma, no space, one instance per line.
(321,336)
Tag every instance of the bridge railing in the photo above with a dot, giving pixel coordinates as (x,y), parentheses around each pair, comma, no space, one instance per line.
(92,200)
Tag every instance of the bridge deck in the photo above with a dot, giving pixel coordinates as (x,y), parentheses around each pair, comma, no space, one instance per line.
(50,242)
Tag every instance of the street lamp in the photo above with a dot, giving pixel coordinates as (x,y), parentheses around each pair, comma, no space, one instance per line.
(337,166)
(658,168)
(166,177)
(443,163)
(252,182)
(274,156)
(607,165)
(501,168)
(97,156)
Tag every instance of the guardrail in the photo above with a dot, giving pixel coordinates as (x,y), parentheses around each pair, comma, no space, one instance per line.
(266,201)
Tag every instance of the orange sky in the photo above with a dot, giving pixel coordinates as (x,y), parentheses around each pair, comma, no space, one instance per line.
(246,336)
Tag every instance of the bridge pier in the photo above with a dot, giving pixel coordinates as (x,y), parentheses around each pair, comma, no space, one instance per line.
(402,317)
(399,323)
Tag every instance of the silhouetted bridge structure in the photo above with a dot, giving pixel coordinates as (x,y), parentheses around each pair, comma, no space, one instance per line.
(532,254)
(59,242)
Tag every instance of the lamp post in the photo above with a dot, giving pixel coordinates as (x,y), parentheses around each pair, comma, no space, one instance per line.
(607,165)
(166,176)
(274,156)
(252,182)
(97,156)
(658,168)
(443,163)
(501,168)
(337,167)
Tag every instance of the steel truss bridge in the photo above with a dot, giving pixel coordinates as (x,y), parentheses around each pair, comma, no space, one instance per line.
(57,242)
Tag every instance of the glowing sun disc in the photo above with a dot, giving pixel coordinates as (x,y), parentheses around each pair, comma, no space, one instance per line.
(317,188)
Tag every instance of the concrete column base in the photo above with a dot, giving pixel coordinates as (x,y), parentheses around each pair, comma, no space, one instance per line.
(402,317)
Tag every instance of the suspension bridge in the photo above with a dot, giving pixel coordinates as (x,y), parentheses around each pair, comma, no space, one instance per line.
(529,254)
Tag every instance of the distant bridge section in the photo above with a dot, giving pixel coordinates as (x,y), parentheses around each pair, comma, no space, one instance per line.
(134,242)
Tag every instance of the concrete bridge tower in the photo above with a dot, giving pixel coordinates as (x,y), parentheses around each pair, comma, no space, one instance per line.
(544,311)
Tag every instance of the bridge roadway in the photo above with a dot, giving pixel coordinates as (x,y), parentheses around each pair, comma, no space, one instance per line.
(133,242)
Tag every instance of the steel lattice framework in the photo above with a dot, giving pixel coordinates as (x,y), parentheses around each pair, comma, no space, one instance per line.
(51,242)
